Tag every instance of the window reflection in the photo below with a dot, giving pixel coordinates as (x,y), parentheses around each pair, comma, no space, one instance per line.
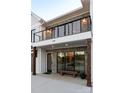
(56,32)
(70,28)
(61,31)
(86,24)
(61,61)
(44,35)
(49,34)
(76,27)
(79,61)
(81,25)
(70,61)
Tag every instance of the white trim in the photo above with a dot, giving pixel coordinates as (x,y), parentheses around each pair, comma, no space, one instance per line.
(65,39)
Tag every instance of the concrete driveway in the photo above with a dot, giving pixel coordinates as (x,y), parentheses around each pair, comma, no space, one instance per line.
(41,84)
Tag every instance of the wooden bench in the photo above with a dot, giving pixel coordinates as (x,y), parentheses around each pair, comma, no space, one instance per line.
(73,73)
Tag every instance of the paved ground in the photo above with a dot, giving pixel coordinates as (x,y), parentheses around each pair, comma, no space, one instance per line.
(60,84)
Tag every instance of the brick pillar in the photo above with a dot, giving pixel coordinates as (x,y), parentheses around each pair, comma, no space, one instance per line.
(34,60)
(89,63)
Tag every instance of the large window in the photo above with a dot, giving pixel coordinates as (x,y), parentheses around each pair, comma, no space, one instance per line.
(56,32)
(44,35)
(70,61)
(70,28)
(53,32)
(76,27)
(66,29)
(61,31)
(86,24)
(61,61)
(79,61)
(49,34)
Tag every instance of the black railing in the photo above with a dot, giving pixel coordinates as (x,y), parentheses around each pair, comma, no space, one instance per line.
(71,28)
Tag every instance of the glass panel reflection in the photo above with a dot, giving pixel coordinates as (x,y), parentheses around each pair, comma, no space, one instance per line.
(61,61)
(79,61)
(69,60)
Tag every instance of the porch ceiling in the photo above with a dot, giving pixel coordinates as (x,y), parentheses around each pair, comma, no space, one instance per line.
(65,45)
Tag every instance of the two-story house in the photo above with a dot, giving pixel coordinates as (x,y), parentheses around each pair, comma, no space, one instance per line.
(64,43)
(36,26)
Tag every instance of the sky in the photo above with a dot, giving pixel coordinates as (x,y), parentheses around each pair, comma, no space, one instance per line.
(48,9)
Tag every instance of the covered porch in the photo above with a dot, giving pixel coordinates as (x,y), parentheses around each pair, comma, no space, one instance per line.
(57,57)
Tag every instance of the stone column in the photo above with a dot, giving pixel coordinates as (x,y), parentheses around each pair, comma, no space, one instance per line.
(34,60)
(89,62)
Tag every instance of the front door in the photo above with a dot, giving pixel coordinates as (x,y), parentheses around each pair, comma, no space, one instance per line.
(49,62)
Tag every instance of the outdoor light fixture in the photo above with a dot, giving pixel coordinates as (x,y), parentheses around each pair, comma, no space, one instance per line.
(84,21)
(66,44)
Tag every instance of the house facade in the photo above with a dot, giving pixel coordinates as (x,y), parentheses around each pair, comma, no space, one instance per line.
(64,43)
(36,26)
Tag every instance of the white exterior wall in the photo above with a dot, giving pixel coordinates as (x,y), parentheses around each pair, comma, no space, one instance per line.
(38,61)
(70,38)
(43,61)
(41,64)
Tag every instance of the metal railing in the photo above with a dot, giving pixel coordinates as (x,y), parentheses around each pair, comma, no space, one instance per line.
(55,33)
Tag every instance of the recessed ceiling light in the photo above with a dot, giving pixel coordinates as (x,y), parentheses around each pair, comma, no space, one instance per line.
(66,44)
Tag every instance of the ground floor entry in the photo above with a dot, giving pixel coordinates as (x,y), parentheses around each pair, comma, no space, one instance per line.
(67,60)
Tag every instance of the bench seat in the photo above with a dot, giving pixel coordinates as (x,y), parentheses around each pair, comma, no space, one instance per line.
(73,73)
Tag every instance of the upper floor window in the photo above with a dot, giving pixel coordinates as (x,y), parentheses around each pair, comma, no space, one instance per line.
(53,32)
(76,27)
(61,31)
(85,24)
(49,34)
(44,35)
(70,28)
(56,32)
(66,29)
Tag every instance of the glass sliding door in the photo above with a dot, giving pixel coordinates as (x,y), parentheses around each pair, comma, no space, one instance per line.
(80,61)
(70,62)
(61,61)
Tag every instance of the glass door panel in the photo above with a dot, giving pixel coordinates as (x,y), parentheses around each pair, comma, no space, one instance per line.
(80,61)
(61,61)
(70,61)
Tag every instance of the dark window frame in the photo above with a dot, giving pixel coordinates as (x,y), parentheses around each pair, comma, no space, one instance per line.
(65,62)
(57,27)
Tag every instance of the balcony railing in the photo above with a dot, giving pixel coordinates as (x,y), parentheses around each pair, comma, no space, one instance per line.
(71,28)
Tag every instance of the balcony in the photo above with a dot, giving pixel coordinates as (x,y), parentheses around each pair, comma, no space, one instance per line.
(68,29)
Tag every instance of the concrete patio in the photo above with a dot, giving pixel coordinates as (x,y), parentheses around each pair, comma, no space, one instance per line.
(55,83)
